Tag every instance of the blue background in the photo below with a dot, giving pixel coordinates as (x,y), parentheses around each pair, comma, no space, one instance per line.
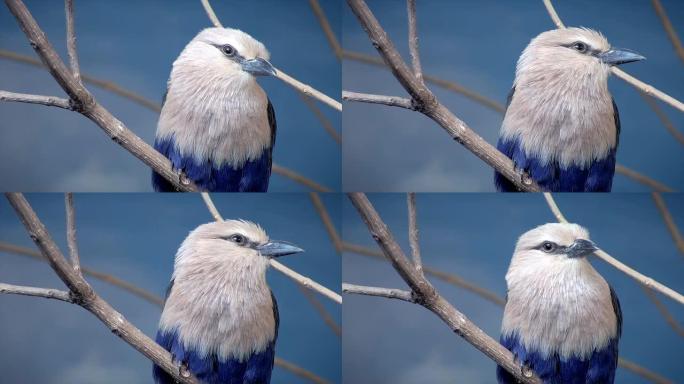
(477,44)
(135,237)
(134,43)
(473,236)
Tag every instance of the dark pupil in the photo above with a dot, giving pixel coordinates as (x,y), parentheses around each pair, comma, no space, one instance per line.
(228,50)
(548,246)
(580,47)
(238,239)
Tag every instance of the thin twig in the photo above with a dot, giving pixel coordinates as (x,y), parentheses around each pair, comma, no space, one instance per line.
(428,104)
(300,279)
(427,296)
(392,101)
(325,122)
(663,117)
(71,39)
(296,177)
(211,207)
(643,372)
(87,298)
(615,263)
(71,232)
(308,90)
(390,293)
(50,101)
(669,221)
(37,292)
(327,29)
(299,371)
(641,178)
(413,232)
(664,311)
(327,221)
(631,80)
(413,40)
(84,102)
(212,15)
(669,29)
(318,306)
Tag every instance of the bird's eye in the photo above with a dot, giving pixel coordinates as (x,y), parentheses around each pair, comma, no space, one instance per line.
(548,246)
(238,239)
(228,50)
(579,46)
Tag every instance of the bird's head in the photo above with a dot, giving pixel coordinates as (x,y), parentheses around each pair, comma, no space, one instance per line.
(232,246)
(226,52)
(554,242)
(574,49)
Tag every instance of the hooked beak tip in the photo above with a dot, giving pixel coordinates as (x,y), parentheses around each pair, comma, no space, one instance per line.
(618,56)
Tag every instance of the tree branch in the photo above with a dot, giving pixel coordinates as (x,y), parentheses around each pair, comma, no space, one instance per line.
(50,101)
(318,306)
(631,80)
(669,221)
(428,104)
(669,29)
(85,103)
(327,221)
(37,292)
(413,40)
(71,40)
(71,232)
(392,101)
(663,117)
(294,176)
(428,297)
(327,125)
(390,293)
(327,29)
(413,232)
(639,277)
(85,296)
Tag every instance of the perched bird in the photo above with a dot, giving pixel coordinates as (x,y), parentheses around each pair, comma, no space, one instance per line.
(220,319)
(562,320)
(562,125)
(217,125)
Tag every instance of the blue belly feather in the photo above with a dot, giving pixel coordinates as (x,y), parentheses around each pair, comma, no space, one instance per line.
(599,368)
(256,369)
(253,176)
(597,177)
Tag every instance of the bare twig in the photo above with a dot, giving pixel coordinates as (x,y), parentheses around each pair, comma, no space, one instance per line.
(663,117)
(147,296)
(392,101)
(300,279)
(294,176)
(429,298)
(413,40)
(37,292)
(308,90)
(87,298)
(429,105)
(631,80)
(85,103)
(669,221)
(643,372)
(413,232)
(318,306)
(327,29)
(664,311)
(639,277)
(669,29)
(50,101)
(641,178)
(390,293)
(327,125)
(327,221)
(71,232)
(211,14)
(211,207)
(71,39)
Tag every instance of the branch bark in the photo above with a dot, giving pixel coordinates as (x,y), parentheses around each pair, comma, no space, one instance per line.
(413,232)
(37,292)
(71,232)
(392,101)
(669,29)
(71,40)
(389,293)
(84,295)
(428,297)
(327,221)
(413,40)
(669,221)
(84,102)
(428,104)
(50,101)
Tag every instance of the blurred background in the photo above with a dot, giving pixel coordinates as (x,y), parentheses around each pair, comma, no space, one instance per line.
(477,45)
(133,44)
(135,237)
(473,237)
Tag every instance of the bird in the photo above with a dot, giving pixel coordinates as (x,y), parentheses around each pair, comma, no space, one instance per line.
(217,125)
(562,320)
(220,318)
(561,124)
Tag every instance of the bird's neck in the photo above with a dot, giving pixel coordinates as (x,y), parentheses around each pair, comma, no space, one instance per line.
(223,310)
(562,115)
(559,307)
(219,118)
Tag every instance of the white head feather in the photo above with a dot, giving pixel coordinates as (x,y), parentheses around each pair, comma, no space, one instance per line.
(557,304)
(562,109)
(213,108)
(220,301)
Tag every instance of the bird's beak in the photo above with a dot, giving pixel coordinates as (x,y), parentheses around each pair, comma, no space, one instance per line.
(581,248)
(278,248)
(258,67)
(617,56)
